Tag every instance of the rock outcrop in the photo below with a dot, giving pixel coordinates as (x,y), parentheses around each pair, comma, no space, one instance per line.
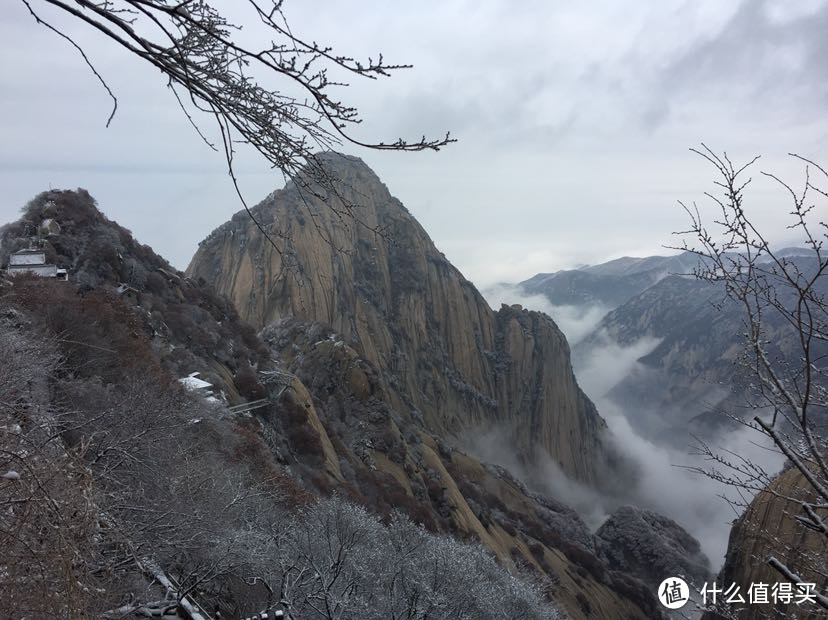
(191,328)
(769,528)
(651,547)
(364,266)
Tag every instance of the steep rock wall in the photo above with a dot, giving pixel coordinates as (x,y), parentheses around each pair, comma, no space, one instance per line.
(378,280)
(768,528)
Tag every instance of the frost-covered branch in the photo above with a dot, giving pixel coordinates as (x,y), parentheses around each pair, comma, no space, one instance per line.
(785,316)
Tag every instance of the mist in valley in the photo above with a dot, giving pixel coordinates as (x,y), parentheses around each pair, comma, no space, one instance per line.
(653,458)
(574,321)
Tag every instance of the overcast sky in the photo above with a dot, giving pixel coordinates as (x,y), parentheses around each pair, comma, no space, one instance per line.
(574,121)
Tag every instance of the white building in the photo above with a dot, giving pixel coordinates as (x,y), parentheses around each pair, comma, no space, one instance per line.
(195,384)
(27,257)
(34,261)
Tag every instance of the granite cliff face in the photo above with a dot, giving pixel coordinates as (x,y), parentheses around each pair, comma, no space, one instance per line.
(378,280)
(768,528)
(335,426)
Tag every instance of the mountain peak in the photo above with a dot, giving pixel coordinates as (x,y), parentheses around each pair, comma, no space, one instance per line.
(363,265)
(336,159)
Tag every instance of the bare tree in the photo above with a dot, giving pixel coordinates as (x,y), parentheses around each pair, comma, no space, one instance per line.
(46,510)
(785,318)
(211,71)
(115,499)
(335,560)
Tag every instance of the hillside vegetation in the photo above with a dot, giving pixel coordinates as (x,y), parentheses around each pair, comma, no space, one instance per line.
(158,498)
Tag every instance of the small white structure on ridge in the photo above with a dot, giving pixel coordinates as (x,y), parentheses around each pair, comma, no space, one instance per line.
(34,261)
(196,385)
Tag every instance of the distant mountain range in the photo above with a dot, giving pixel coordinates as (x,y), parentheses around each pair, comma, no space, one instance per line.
(608,284)
(616,281)
(689,374)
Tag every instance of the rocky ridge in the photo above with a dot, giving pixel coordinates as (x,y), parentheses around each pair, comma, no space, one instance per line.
(444,356)
(651,547)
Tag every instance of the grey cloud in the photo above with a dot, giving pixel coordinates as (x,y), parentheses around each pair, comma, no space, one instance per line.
(574,121)
(753,56)
(108,167)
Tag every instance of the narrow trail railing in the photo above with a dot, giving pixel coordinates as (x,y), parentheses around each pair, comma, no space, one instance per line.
(249,406)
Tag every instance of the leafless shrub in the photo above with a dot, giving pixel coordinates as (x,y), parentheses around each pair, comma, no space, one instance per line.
(47,516)
(337,561)
(785,319)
